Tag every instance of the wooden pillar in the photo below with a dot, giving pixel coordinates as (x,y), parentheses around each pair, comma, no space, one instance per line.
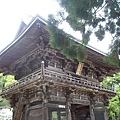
(91,107)
(105,113)
(42,69)
(26,111)
(45,97)
(105,109)
(68,110)
(92,116)
(106,102)
(45,109)
(67,93)
(27,103)
(45,90)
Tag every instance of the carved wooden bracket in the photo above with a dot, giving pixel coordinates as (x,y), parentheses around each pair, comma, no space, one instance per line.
(68,93)
(105,100)
(92,98)
(45,91)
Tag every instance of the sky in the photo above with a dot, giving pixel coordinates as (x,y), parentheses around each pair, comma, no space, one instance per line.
(12,12)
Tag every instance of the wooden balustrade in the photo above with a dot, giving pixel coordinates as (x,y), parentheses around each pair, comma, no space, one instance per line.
(80,81)
(60,77)
(23,81)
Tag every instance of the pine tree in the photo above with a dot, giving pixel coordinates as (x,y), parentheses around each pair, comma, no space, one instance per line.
(88,17)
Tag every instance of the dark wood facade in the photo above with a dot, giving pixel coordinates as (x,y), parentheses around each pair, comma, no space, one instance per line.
(48,87)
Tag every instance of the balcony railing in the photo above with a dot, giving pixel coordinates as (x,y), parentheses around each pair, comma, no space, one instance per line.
(23,81)
(80,81)
(59,78)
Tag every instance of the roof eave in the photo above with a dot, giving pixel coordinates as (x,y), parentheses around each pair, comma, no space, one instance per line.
(23,33)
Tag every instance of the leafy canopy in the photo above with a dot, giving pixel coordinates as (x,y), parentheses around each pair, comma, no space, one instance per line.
(65,42)
(6,80)
(91,16)
(114,103)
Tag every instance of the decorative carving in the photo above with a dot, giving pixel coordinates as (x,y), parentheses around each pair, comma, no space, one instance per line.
(68,93)
(13,102)
(46,93)
(92,98)
(105,100)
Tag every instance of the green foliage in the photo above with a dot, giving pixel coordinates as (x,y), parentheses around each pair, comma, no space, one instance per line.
(6,80)
(112,56)
(90,16)
(112,59)
(92,13)
(65,42)
(114,103)
(100,33)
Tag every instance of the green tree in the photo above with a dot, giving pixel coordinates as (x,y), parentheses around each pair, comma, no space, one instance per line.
(114,106)
(6,80)
(114,103)
(87,17)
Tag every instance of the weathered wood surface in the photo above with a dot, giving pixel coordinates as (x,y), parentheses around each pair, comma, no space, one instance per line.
(19,109)
(58,78)
(48,80)
(39,36)
(35,114)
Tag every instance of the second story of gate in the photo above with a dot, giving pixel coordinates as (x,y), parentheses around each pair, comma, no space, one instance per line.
(30,57)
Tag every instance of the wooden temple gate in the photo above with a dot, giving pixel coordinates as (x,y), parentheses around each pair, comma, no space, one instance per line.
(50,95)
(48,87)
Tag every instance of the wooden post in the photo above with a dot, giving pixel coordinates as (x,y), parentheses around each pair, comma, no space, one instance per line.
(42,69)
(68,104)
(92,103)
(45,102)
(105,101)
(68,111)
(92,116)
(45,109)
(105,113)
(19,110)
(26,112)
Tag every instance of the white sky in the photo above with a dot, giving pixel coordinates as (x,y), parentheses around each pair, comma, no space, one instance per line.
(13,11)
